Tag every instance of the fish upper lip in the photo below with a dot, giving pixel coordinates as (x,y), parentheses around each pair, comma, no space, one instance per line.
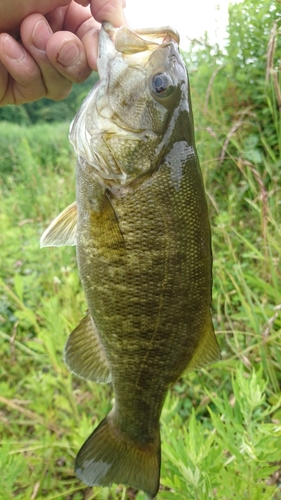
(167,30)
(148,38)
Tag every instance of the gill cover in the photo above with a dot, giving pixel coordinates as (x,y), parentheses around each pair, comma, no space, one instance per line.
(143,72)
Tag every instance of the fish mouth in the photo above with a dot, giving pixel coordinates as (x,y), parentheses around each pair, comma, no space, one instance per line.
(127,42)
(130,41)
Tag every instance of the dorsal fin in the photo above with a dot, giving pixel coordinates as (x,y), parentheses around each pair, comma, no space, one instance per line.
(208,350)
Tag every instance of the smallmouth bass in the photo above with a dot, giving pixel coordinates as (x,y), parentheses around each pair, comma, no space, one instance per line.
(141,229)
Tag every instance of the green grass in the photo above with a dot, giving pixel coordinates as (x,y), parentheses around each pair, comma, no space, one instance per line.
(221,426)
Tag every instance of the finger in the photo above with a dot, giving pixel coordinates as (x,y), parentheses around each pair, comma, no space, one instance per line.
(80,21)
(83,2)
(22,80)
(67,55)
(87,27)
(35,34)
(4,79)
(90,41)
(61,56)
(56,18)
(13,13)
(70,18)
(109,10)
(76,16)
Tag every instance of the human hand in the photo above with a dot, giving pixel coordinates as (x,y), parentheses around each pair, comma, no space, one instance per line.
(54,51)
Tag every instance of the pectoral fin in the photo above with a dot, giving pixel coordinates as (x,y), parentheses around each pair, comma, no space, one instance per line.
(62,231)
(84,354)
(103,224)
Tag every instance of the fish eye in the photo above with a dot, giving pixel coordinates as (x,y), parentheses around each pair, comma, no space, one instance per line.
(162,84)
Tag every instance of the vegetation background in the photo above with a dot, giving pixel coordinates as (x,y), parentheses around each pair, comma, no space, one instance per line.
(221,426)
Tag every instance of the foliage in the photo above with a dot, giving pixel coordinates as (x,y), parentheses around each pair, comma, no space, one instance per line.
(243,81)
(221,426)
(233,459)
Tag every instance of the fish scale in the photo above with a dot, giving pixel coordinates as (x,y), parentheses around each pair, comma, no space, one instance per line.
(172,280)
(142,234)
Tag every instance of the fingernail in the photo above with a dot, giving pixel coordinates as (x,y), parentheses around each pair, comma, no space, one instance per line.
(69,54)
(13,49)
(41,34)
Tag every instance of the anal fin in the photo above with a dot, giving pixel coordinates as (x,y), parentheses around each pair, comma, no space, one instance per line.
(84,354)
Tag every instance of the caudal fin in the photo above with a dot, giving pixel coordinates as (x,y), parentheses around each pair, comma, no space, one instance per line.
(108,456)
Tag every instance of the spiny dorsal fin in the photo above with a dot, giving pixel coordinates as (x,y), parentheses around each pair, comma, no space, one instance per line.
(110,456)
(62,231)
(84,354)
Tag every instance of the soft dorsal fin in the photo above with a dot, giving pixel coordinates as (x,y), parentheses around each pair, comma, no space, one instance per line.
(208,350)
(62,231)
(84,354)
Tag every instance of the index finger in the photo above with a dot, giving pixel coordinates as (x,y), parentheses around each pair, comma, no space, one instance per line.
(109,10)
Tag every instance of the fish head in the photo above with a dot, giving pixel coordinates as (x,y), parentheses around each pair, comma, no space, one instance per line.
(126,122)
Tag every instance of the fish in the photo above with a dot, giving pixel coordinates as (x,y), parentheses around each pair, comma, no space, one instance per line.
(141,228)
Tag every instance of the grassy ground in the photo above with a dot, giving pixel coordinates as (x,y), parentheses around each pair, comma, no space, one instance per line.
(221,426)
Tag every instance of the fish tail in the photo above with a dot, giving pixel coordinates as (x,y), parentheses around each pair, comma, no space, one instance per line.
(109,456)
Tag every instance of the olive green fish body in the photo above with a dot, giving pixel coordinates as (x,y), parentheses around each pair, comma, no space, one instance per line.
(151,304)
(143,248)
